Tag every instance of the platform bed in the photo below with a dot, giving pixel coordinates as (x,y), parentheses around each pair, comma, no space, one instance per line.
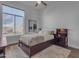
(32,50)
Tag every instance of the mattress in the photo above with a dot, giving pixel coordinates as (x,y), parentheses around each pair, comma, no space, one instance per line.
(33,39)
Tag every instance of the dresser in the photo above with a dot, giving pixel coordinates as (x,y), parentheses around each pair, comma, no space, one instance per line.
(61,37)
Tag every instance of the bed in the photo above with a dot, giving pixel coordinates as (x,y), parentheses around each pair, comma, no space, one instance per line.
(33,43)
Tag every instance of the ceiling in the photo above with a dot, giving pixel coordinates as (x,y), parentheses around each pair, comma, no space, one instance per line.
(50,3)
(32,3)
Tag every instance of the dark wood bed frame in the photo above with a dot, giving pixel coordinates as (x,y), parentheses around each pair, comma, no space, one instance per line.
(32,50)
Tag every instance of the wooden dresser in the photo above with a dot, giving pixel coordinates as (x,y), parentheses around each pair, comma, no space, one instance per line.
(61,37)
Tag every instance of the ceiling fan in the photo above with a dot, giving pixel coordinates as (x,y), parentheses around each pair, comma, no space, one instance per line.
(40,2)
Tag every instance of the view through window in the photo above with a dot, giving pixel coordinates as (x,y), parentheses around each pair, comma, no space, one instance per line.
(13,20)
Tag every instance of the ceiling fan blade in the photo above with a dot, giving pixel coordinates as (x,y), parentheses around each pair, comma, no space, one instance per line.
(43,3)
(36,4)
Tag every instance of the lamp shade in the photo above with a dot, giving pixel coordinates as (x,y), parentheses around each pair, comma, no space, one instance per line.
(61,29)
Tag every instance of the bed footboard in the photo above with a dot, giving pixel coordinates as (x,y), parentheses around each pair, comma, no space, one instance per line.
(32,50)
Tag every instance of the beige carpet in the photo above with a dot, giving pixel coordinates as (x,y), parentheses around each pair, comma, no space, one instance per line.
(53,52)
(14,52)
(50,52)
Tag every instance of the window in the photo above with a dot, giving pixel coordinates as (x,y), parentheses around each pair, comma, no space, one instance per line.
(32,25)
(8,23)
(19,24)
(13,20)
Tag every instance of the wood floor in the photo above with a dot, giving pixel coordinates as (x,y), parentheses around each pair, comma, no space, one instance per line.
(74,53)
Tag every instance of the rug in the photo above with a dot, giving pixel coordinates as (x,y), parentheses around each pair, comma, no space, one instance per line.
(50,52)
(53,52)
(15,52)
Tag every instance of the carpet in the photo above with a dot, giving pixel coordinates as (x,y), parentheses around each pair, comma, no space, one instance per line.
(15,52)
(53,52)
(50,52)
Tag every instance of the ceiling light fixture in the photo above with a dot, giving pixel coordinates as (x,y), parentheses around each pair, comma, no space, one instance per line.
(40,2)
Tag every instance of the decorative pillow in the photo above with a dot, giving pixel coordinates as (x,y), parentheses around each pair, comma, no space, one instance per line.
(46,32)
(40,32)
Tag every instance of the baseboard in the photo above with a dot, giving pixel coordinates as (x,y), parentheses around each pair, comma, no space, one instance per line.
(73,46)
(12,44)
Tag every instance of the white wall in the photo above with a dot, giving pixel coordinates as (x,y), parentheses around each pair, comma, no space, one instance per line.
(11,39)
(40,11)
(63,14)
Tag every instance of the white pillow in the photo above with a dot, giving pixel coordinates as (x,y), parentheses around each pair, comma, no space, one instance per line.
(40,32)
(44,32)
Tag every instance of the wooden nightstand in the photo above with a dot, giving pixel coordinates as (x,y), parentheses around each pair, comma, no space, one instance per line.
(2,52)
(2,48)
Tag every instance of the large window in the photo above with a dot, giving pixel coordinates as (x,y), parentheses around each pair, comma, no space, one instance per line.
(13,20)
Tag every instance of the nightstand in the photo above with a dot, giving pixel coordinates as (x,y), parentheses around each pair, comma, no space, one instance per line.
(2,52)
(2,48)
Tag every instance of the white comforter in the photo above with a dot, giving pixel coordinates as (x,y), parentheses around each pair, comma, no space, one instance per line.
(33,39)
